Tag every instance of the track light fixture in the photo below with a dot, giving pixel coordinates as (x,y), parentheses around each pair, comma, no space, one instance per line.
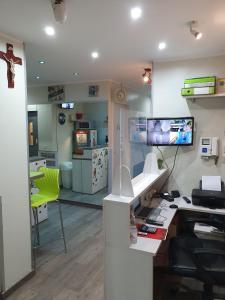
(195,33)
(59,10)
(147,76)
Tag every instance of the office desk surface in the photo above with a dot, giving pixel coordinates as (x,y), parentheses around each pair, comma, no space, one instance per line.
(183,205)
(151,246)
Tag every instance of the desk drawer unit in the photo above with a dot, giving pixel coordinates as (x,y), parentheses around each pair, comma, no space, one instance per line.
(42,209)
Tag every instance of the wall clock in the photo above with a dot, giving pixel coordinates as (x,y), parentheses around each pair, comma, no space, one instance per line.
(120,95)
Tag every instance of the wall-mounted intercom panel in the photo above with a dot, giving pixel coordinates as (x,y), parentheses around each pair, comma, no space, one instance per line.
(209,147)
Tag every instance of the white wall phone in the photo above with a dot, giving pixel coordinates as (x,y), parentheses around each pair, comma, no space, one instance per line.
(209,147)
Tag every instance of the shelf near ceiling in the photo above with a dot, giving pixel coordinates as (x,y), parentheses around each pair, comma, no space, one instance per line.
(195,97)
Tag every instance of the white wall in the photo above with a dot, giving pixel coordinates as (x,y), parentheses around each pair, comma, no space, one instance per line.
(56,137)
(53,136)
(37,95)
(79,92)
(64,134)
(124,152)
(140,105)
(97,113)
(168,78)
(47,127)
(73,93)
(14,182)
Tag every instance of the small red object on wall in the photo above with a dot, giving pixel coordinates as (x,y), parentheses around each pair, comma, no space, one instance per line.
(11,61)
(79,115)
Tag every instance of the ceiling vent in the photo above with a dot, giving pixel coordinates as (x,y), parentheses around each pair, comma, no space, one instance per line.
(59,9)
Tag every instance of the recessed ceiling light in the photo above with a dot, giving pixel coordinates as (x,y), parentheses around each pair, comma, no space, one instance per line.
(37,77)
(49,30)
(42,62)
(135,13)
(75,74)
(162,45)
(95,54)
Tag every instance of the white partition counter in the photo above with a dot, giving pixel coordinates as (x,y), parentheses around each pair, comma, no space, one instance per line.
(128,267)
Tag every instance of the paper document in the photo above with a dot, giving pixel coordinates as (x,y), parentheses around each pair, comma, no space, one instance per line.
(211,183)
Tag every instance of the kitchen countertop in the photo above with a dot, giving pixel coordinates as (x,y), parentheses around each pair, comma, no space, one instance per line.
(35,158)
(95,147)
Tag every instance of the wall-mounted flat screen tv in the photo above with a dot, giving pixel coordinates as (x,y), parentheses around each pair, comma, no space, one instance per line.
(170,131)
(67,105)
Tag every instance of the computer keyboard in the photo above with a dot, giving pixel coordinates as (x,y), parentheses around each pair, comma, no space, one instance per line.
(154,214)
(144,212)
(154,217)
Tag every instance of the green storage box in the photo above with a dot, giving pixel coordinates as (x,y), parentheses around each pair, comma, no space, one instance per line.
(200,82)
(210,90)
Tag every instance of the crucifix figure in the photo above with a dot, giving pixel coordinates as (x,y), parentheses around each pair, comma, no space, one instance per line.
(11,61)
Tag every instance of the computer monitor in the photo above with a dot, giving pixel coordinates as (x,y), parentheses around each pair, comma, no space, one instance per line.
(170,131)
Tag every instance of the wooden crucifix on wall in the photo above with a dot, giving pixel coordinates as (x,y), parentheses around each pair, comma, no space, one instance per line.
(11,61)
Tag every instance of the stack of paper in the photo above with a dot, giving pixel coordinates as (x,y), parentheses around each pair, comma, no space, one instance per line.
(211,183)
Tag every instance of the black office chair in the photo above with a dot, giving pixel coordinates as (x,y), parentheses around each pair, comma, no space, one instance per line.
(201,259)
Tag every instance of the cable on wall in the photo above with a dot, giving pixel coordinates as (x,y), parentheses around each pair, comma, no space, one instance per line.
(174,163)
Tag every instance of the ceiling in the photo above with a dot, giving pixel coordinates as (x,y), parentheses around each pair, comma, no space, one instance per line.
(125,46)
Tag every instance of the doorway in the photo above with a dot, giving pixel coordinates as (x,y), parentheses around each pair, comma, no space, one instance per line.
(89,156)
(83,163)
(33,133)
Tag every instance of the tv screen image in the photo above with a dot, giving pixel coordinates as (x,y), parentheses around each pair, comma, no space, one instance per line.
(67,105)
(170,131)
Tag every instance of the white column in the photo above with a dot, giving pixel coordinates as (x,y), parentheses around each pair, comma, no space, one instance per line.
(14,180)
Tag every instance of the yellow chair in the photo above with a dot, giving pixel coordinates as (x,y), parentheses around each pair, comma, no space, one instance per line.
(48,187)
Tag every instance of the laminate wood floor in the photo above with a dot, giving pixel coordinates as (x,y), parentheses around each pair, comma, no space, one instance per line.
(77,275)
(96,199)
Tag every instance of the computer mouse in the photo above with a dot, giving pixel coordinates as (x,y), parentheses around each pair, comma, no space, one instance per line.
(173,206)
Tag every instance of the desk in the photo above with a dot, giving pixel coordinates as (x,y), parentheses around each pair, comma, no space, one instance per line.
(129,267)
(152,246)
(183,205)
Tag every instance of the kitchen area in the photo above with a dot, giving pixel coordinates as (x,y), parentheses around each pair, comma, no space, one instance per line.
(74,138)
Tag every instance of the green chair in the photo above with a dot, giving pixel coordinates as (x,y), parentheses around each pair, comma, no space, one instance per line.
(48,187)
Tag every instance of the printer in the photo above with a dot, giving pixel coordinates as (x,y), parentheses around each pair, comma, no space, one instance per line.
(207,198)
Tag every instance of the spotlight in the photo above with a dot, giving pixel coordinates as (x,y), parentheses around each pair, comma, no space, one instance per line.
(95,54)
(135,13)
(49,30)
(198,35)
(59,10)
(147,76)
(195,33)
(162,46)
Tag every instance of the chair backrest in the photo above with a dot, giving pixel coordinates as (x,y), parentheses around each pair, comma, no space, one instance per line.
(50,182)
